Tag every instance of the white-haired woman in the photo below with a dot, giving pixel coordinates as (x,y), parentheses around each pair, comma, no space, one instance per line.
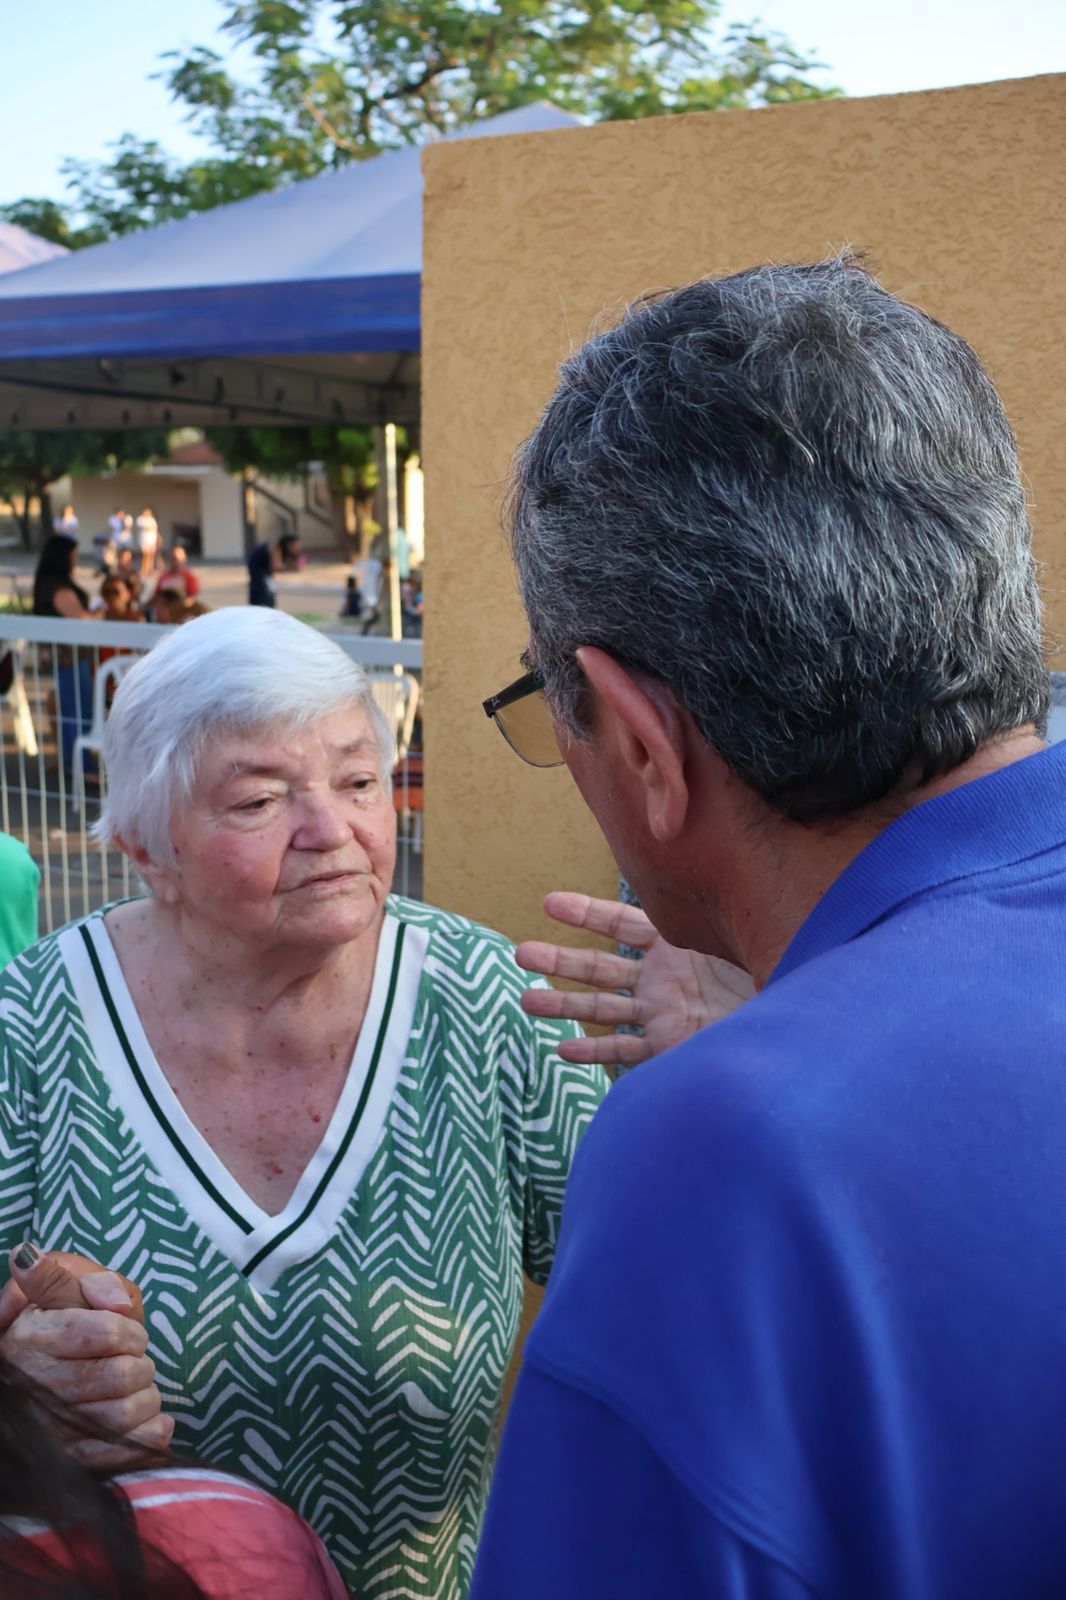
(310,1120)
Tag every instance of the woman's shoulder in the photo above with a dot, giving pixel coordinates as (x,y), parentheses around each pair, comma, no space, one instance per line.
(449,930)
(37,964)
(477,955)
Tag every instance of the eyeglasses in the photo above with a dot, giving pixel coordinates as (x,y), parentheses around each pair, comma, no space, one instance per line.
(521,713)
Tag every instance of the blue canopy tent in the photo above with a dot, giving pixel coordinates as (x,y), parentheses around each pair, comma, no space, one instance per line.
(296,306)
(20,249)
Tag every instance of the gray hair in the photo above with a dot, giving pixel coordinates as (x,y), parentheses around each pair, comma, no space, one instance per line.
(226,672)
(794,500)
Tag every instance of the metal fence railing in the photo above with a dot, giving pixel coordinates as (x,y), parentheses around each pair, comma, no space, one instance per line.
(56,678)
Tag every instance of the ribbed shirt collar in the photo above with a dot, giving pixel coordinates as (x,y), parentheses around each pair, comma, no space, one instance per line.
(1010,815)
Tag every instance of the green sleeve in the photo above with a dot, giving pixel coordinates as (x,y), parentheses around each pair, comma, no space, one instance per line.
(19,883)
(559,1102)
(18,1113)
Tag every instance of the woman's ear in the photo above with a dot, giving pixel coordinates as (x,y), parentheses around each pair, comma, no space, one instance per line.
(160,879)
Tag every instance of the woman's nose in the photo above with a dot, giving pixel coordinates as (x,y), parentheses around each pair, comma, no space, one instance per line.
(323,824)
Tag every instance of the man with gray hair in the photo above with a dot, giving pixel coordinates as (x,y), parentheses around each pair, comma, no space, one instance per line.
(805,1334)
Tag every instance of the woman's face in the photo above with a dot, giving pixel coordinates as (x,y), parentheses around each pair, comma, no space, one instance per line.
(289,840)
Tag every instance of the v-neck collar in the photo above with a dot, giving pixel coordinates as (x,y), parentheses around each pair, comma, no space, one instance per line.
(261,1246)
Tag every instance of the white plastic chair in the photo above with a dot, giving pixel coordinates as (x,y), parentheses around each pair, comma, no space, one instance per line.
(19,700)
(108,675)
(397,695)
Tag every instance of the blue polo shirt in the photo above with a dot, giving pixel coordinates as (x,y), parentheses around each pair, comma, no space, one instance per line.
(805,1334)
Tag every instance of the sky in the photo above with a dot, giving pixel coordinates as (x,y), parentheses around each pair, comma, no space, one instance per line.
(76,75)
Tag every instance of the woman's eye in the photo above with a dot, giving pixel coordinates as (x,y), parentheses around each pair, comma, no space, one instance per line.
(259,804)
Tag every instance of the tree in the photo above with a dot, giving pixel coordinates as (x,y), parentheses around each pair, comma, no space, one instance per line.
(31,462)
(334,82)
(346,455)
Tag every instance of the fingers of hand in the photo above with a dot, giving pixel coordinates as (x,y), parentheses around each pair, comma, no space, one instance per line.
(105,1291)
(74,1335)
(623,923)
(622,1049)
(585,966)
(12,1301)
(601,1007)
(76,1382)
(123,1415)
(152,1437)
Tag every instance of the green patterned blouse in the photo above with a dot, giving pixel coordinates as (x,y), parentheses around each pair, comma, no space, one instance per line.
(348,1352)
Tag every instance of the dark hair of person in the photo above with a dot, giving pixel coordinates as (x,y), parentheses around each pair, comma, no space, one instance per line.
(54,559)
(103,1557)
(53,570)
(794,500)
(286,542)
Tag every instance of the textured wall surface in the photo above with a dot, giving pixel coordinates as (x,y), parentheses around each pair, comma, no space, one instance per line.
(957,196)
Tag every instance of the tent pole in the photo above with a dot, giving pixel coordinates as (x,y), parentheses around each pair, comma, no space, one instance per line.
(392,524)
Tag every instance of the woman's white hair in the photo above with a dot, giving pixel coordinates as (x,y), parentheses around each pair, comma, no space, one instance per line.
(226,672)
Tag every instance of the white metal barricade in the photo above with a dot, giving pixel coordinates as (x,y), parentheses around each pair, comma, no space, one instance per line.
(50,722)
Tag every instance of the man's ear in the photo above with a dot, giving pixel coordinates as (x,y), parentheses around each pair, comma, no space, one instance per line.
(649,733)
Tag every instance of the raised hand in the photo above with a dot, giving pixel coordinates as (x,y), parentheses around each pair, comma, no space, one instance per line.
(674,992)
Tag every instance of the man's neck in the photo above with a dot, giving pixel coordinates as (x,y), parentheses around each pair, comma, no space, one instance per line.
(788,867)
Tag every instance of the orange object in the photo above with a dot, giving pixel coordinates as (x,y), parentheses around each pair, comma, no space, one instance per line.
(52,1283)
(407,783)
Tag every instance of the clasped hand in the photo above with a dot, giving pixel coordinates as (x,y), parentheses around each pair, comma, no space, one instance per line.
(94,1361)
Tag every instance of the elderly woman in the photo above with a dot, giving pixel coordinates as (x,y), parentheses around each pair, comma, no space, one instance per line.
(311,1120)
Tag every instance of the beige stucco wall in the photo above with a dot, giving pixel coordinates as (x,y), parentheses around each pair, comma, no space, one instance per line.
(222,511)
(957,195)
(172,500)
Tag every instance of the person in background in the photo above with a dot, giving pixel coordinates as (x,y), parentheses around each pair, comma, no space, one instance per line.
(264,561)
(126,570)
(170,607)
(74,1528)
(20,881)
(805,1332)
(368,572)
(118,600)
(117,604)
(106,552)
(120,526)
(56,594)
(67,523)
(148,542)
(126,566)
(177,574)
(352,603)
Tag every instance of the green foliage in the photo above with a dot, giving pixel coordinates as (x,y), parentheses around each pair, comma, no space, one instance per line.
(49,220)
(332,82)
(29,462)
(347,454)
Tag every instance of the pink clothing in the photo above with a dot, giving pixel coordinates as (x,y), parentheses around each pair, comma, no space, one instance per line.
(179,578)
(233,1539)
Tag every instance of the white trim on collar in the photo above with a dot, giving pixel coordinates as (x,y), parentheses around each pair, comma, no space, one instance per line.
(259,1245)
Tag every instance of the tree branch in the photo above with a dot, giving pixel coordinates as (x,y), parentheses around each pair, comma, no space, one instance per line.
(327,127)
